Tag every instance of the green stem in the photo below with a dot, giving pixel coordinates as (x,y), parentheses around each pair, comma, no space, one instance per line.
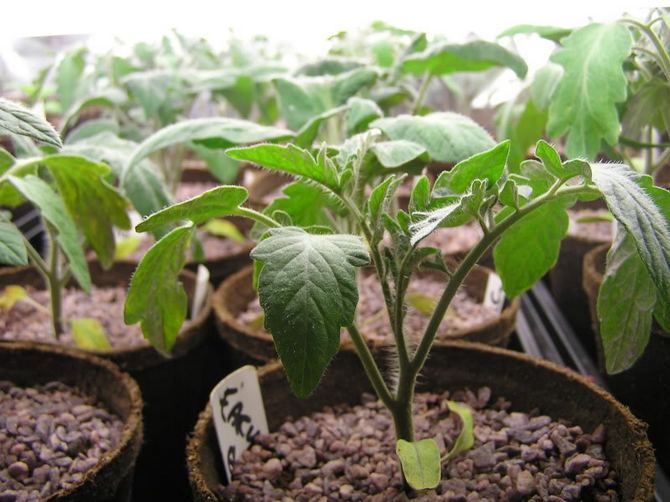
(664,58)
(641,144)
(257,216)
(472,258)
(54,284)
(422,92)
(370,366)
(37,260)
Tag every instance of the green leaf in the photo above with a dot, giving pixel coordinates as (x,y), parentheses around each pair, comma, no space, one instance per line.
(360,113)
(53,210)
(94,205)
(288,159)
(89,334)
(625,305)
(453,211)
(420,461)
(223,228)
(420,196)
(553,33)
(222,167)
(126,246)
(488,165)
(644,211)
(649,106)
(448,137)
(529,248)
(328,66)
(544,85)
(391,154)
(308,132)
(215,132)
(466,438)
(12,248)
(91,128)
(527,130)
(308,291)
(11,295)
(220,201)
(477,55)
(110,99)
(424,304)
(303,98)
(584,103)
(16,119)
(68,74)
(156,296)
(303,203)
(380,200)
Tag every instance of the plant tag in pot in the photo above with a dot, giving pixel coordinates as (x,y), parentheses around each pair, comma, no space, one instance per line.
(494,296)
(201,281)
(239,414)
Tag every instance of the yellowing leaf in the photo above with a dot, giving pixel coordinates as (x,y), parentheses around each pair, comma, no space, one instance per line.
(89,334)
(423,303)
(11,295)
(126,246)
(466,437)
(223,228)
(420,462)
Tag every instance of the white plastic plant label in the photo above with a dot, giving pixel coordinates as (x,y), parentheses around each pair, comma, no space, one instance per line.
(494,296)
(201,281)
(239,414)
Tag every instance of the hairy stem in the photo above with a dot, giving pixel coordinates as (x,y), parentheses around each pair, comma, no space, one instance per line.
(472,258)
(370,366)
(422,92)
(664,58)
(54,284)
(257,216)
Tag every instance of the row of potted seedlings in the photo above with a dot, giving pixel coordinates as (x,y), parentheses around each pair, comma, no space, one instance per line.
(352,254)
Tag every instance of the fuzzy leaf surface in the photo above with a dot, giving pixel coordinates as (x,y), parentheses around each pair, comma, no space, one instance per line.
(94,205)
(529,248)
(477,55)
(12,248)
(448,137)
(53,210)
(307,288)
(219,201)
(288,159)
(156,297)
(16,119)
(644,211)
(625,305)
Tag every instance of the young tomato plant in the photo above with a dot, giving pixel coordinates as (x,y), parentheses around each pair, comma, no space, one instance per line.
(306,264)
(76,204)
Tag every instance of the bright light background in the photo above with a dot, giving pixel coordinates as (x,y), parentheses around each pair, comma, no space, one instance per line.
(304,24)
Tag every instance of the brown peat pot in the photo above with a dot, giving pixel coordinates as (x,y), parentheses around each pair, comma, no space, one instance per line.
(646,385)
(255,346)
(30,364)
(174,389)
(527,382)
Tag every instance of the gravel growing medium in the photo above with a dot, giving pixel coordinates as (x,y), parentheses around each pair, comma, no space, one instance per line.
(464,313)
(25,322)
(50,435)
(347,453)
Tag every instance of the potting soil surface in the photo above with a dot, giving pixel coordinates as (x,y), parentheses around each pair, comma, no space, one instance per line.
(26,322)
